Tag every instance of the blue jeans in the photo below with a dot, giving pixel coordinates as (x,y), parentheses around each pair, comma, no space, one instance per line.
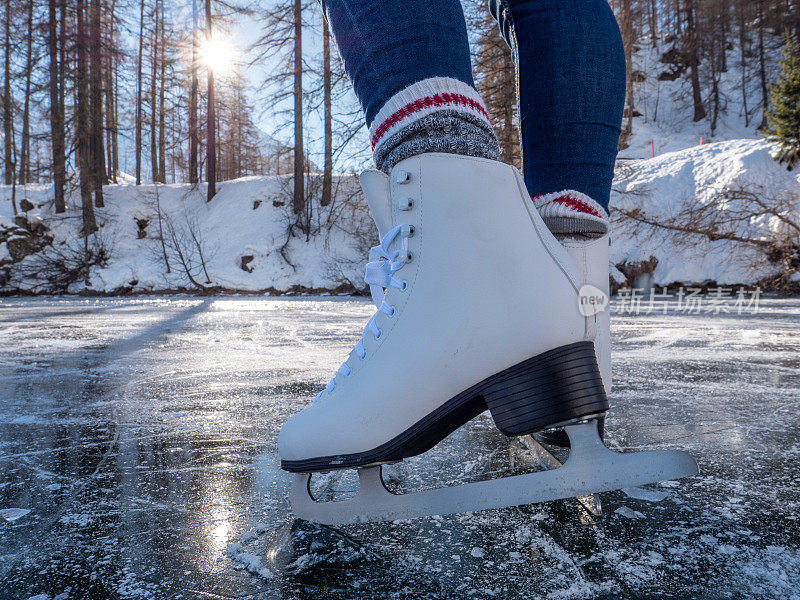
(570,72)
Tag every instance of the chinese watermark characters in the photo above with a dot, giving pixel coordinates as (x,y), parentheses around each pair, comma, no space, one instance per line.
(688,301)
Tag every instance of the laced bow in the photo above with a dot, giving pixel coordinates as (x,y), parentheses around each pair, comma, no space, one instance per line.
(379,275)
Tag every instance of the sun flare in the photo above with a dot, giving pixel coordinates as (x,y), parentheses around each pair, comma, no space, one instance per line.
(218,54)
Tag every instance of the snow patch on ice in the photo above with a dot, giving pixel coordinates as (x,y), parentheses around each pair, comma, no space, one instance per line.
(628,513)
(640,493)
(249,560)
(12,514)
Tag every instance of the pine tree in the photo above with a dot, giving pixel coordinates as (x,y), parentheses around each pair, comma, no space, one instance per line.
(783,117)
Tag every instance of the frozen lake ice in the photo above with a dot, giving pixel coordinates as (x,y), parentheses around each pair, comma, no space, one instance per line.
(138,460)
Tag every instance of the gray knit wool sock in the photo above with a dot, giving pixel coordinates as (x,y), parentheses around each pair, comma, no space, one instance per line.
(433,115)
(442,131)
(571,214)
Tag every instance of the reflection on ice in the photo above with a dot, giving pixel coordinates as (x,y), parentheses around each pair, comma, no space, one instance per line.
(140,435)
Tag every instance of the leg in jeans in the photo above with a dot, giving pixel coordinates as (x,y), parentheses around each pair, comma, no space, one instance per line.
(410,66)
(571,76)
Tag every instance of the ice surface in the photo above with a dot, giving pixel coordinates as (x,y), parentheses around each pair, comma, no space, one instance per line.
(141,434)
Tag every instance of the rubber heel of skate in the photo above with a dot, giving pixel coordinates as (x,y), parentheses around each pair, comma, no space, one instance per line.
(555,387)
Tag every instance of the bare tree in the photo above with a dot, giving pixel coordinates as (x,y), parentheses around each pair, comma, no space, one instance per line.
(162,112)
(211,125)
(327,169)
(96,62)
(299,197)
(25,146)
(139,96)
(57,131)
(8,114)
(193,133)
(83,127)
(694,60)
(154,93)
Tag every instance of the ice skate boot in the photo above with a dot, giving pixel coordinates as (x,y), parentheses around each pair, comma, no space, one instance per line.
(591,259)
(478,307)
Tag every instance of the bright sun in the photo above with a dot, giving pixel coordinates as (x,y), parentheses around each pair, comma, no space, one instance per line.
(218,55)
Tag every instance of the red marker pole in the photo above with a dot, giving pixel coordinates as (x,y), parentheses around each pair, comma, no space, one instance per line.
(653,147)
(701,140)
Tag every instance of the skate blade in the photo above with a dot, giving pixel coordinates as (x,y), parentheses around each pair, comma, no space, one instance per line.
(590,502)
(590,468)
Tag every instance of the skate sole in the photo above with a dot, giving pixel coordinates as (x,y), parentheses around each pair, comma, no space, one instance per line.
(589,468)
(559,386)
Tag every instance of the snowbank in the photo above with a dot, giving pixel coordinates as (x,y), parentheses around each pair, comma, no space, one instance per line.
(243,235)
(243,232)
(664,185)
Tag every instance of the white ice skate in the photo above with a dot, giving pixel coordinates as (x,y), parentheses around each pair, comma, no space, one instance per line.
(478,308)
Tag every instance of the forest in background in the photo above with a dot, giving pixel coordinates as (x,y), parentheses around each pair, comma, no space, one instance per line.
(88,83)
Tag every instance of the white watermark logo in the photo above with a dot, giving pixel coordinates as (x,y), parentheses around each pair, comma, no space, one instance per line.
(592,300)
(690,301)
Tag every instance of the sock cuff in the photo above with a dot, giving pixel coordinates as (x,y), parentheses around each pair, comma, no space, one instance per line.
(420,100)
(570,203)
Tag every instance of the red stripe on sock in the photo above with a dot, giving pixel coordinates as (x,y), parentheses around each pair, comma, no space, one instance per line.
(575,204)
(437,100)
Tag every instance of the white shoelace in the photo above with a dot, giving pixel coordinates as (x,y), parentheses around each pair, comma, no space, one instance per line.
(383,264)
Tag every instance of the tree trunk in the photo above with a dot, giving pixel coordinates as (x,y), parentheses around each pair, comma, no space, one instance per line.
(694,61)
(139,97)
(743,58)
(762,68)
(110,100)
(97,150)
(115,130)
(154,98)
(7,107)
(653,23)
(25,148)
(162,115)
(327,172)
(57,133)
(193,133)
(299,196)
(627,40)
(83,132)
(211,125)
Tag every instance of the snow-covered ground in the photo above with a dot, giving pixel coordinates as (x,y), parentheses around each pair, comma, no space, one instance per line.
(248,218)
(138,460)
(665,185)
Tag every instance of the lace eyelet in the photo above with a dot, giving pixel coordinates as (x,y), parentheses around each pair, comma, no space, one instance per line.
(411,231)
(391,314)
(409,257)
(405,204)
(380,333)
(405,285)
